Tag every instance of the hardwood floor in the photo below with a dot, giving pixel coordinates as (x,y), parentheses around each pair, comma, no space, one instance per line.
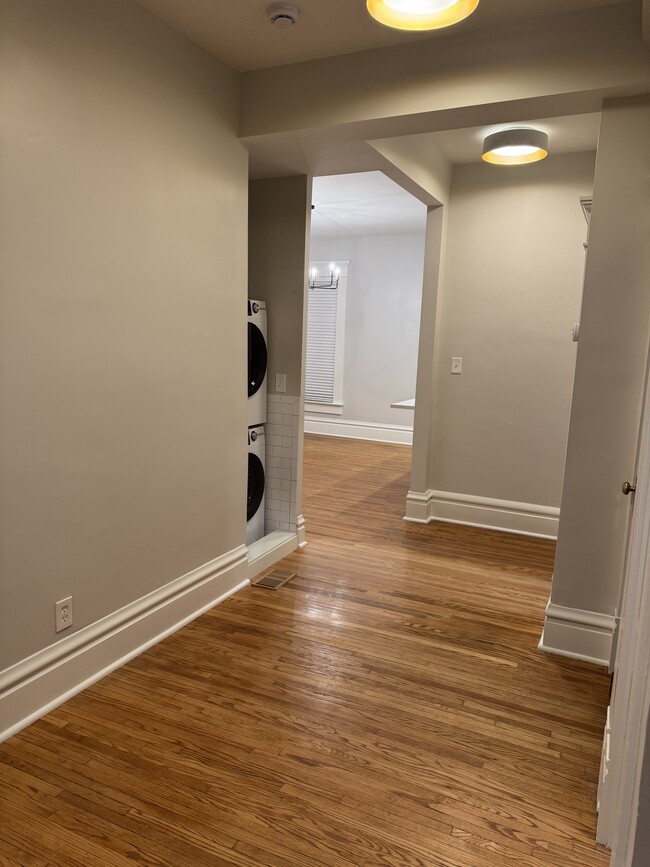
(388,706)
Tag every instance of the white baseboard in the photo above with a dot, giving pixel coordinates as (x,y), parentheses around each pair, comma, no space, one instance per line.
(578,634)
(36,685)
(525,519)
(301,532)
(360,430)
(266,552)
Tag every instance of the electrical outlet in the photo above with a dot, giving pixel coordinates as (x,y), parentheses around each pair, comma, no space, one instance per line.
(281,382)
(63,614)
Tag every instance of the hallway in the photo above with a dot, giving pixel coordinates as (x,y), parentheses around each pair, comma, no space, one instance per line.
(388,706)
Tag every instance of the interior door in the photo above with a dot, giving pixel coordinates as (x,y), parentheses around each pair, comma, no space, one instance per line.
(627,712)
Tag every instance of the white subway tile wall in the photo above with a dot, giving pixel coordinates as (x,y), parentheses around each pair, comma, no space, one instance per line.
(281,434)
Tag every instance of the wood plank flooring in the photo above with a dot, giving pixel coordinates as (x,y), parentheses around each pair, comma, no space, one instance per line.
(388,706)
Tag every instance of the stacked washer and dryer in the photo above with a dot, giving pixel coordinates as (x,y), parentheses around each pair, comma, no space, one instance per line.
(257,367)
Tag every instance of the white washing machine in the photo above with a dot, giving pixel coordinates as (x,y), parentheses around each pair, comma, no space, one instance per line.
(257,362)
(256,484)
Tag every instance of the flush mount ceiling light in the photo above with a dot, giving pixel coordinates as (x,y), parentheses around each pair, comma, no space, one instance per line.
(515,147)
(420,14)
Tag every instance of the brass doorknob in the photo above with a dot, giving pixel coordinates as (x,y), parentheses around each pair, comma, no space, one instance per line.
(628,488)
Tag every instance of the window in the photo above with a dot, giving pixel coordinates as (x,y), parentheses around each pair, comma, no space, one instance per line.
(325,334)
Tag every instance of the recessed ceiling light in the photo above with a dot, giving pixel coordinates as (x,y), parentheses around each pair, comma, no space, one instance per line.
(515,147)
(420,14)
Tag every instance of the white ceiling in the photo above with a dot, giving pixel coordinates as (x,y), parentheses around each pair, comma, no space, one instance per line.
(368,203)
(238,31)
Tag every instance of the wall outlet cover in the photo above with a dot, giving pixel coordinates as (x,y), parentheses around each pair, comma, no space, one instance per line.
(63,614)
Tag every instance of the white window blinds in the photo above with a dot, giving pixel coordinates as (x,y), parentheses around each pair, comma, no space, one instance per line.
(320,374)
(325,332)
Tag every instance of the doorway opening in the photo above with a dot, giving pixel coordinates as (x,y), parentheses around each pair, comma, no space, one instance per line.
(364,301)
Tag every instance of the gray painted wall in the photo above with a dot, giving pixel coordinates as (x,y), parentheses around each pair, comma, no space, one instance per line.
(123,232)
(382,321)
(279,210)
(512,290)
(610,367)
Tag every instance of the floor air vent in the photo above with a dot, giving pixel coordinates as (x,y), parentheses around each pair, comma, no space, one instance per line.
(274,579)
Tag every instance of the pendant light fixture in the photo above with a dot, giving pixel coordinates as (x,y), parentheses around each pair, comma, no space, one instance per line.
(420,14)
(515,147)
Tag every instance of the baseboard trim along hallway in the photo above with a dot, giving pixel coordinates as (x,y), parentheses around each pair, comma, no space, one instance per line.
(578,634)
(526,519)
(40,683)
(360,430)
(269,550)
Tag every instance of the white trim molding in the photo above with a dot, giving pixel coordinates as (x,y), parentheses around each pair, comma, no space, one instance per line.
(578,634)
(360,430)
(525,519)
(36,685)
(325,408)
(269,550)
(301,531)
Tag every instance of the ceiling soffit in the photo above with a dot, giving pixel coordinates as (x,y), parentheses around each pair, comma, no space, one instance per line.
(241,36)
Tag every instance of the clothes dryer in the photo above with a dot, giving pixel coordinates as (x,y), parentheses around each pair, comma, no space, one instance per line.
(256,484)
(257,362)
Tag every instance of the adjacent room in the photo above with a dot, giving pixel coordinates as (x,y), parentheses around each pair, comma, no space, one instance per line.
(365,294)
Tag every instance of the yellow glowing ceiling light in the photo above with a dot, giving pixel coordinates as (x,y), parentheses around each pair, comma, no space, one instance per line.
(515,147)
(420,14)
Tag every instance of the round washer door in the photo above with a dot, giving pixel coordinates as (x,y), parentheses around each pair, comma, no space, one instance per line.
(257,358)
(255,485)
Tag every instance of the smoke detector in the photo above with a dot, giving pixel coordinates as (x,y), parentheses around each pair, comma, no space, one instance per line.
(283,14)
